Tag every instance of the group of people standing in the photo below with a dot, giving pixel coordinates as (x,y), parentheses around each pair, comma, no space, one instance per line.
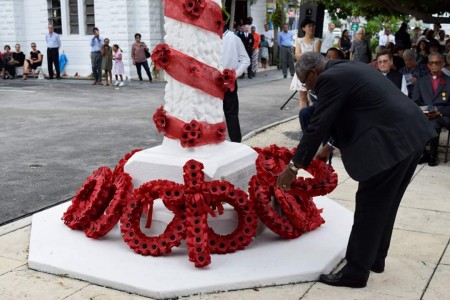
(104,58)
(258,46)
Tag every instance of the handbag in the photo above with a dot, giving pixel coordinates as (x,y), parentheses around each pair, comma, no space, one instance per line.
(147,53)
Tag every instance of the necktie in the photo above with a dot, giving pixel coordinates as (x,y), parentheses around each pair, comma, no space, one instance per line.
(388,40)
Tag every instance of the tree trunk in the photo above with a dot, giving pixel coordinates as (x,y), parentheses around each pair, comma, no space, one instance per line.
(232,13)
(275,55)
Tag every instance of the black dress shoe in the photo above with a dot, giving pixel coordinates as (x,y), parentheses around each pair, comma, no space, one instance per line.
(434,161)
(284,76)
(423,159)
(341,279)
(377,267)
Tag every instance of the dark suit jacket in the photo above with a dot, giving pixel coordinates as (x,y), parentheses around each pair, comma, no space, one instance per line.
(374,124)
(248,43)
(396,77)
(423,93)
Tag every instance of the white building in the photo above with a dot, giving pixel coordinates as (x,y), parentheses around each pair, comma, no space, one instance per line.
(25,21)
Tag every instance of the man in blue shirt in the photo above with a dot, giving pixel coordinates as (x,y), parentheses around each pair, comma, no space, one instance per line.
(96,56)
(285,39)
(53,45)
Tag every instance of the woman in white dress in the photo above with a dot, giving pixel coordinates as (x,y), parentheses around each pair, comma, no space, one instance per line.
(305,44)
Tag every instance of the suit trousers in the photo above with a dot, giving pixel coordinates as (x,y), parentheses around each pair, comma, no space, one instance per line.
(377,202)
(96,63)
(53,59)
(287,60)
(231,111)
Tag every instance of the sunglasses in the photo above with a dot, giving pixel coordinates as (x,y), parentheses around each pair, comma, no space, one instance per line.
(435,63)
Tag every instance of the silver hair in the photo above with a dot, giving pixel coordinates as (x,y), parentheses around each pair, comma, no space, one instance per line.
(309,61)
(436,54)
(410,53)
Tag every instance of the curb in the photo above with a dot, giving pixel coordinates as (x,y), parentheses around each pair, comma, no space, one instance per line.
(264,128)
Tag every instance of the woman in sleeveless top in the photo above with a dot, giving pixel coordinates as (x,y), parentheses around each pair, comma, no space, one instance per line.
(305,44)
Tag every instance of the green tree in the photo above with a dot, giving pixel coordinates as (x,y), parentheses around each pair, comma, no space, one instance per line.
(423,10)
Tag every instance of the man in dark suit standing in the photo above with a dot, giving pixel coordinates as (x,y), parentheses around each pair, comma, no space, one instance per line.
(381,135)
(433,91)
(248,41)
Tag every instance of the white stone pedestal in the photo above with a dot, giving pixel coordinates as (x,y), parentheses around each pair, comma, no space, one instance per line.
(268,260)
(233,162)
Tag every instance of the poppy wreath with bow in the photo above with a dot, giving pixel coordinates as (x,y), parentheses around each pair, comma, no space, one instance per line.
(298,212)
(190,203)
(97,205)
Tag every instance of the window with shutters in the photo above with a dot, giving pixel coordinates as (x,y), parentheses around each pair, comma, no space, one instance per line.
(54,15)
(73,17)
(89,16)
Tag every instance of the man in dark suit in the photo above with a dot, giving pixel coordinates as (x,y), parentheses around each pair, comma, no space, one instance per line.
(247,39)
(433,91)
(385,64)
(380,133)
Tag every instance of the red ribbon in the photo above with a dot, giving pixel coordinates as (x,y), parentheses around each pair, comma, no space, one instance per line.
(193,72)
(190,134)
(189,11)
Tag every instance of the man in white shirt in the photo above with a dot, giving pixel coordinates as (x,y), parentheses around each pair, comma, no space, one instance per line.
(386,38)
(269,38)
(235,58)
(327,39)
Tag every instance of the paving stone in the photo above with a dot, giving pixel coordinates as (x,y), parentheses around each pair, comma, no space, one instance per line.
(422,220)
(438,287)
(15,244)
(24,283)
(324,292)
(7,265)
(423,247)
(403,279)
(101,293)
(446,257)
(285,292)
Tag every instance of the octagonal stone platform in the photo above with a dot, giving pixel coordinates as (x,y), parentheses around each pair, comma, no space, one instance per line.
(268,260)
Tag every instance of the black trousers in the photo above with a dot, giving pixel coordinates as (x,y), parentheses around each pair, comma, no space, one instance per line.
(53,59)
(146,68)
(231,110)
(377,202)
(250,66)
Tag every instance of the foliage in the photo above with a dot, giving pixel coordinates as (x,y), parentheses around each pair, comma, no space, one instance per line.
(423,10)
(277,17)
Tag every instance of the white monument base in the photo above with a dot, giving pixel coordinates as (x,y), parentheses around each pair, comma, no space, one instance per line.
(233,162)
(268,260)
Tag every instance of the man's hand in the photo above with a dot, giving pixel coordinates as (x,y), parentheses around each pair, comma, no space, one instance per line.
(433,115)
(286,178)
(324,153)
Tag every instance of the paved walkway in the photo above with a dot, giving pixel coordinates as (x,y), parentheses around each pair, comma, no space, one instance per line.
(418,266)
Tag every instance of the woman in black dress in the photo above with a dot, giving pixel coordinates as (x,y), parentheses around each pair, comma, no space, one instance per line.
(344,44)
(33,62)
